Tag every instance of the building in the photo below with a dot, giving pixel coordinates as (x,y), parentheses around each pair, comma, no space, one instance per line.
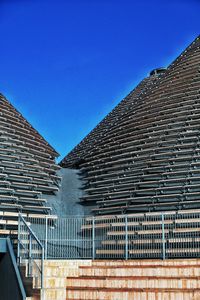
(27,168)
(145,155)
(138,171)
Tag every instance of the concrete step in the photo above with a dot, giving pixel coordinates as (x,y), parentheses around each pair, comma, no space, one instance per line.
(67,262)
(145,262)
(76,293)
(63,268)
(135,282)
(56,271)
(55,294)
(54,282)
(146,270)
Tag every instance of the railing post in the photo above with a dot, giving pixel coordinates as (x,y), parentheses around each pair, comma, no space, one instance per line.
(93,238)
(46,236)
(42,276)
(126,238)
(163,236)
(19,238)
(29,254)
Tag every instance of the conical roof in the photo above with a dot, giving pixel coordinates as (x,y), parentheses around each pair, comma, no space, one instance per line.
(27,164)
(93,139)
(148,158)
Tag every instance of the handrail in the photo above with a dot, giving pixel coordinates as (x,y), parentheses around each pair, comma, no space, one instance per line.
(31,231)
(28,242)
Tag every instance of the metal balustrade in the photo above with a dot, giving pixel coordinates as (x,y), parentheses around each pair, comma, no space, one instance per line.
(31,251)
(150,235)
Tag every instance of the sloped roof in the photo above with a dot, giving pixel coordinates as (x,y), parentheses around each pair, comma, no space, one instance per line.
(91,141)
(25,124)
(148,158)
(27,164)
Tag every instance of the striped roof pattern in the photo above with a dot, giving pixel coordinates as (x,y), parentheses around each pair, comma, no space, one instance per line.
(27,164)
(145,155)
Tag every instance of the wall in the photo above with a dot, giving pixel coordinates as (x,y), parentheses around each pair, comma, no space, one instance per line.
(67,201)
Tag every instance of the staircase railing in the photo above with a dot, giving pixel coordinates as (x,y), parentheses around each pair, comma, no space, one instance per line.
(31,251)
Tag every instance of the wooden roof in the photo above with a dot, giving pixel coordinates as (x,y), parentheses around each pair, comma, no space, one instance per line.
(27,164)
(145,155)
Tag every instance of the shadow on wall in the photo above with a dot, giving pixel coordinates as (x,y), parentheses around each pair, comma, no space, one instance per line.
(67,201)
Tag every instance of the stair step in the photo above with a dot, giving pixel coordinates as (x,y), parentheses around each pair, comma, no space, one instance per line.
(146,262)
(130,294)
(133,282)
(149,270)
(55,294)
(152,265)
(132,277)
(154,290)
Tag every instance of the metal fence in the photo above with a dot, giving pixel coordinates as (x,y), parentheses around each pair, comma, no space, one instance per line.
(63,237)
(30,251)
(156,235)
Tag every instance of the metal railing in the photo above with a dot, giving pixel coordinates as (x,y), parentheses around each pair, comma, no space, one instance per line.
(167,235)
(31,251)
(64,237)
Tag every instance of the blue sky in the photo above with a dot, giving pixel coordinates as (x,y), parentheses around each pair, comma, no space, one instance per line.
(66,63)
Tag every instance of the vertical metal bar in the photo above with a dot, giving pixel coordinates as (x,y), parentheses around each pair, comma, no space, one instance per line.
(93,238)
(126,238)
(46,236)
(42,276)
(19,239)
(163,236)
(30,254)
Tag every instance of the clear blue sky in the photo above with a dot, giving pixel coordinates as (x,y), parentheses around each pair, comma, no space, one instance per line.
(66,63)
